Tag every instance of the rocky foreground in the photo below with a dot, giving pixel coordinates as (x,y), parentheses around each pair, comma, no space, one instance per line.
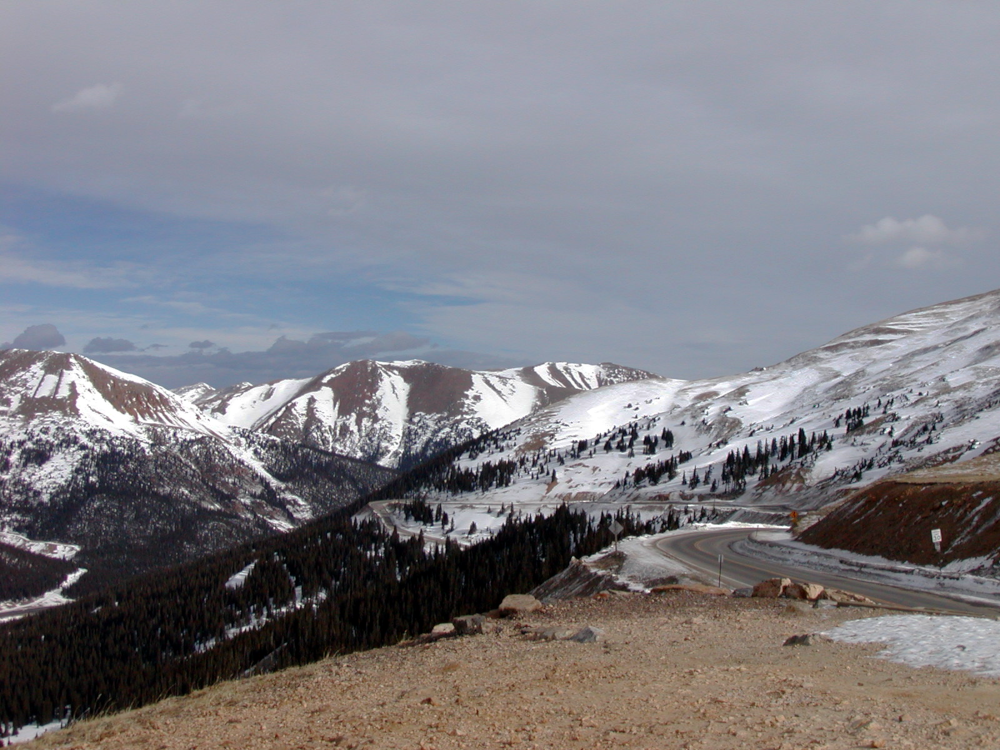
(677,669)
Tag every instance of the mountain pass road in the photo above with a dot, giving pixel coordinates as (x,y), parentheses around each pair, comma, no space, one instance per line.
(700,551)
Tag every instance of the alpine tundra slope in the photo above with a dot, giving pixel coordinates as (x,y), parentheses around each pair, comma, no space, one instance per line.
(916,391)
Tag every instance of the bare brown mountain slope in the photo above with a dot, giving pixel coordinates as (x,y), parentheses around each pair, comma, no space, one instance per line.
(894,518)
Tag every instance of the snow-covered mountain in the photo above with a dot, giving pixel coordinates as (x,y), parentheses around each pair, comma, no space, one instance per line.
(399,413)
(911,391)
(137,476)
(57,386)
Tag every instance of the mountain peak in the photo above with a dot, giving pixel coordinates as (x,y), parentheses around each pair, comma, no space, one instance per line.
(37,384)
(397,413)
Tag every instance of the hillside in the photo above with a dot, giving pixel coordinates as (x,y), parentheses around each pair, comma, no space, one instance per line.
(138,478)
(894,518)
(398,413)
(338,584)
(918,390)
(673,671)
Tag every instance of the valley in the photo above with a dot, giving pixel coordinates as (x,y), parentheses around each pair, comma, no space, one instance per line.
(338,498)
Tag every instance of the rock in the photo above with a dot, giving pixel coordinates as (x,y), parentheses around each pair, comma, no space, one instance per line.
(587,634)
(847,598)
(689,588)
(469,624)
(808,591)
(745,592)
(771,588)
(807,639)
(796,607)
(553,633)
(519,604)
(443,630)
(577,580)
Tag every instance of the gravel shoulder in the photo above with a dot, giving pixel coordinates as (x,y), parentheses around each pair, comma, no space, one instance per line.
(676,670)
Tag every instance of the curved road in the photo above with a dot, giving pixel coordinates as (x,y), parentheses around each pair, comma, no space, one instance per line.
(700,550)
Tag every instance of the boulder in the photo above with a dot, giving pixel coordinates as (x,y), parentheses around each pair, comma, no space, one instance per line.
(519,604)
(443,630)
(578,580)
(808,591)
(771,588)
(554,633)
(469,624)
(848,598)
(587,634)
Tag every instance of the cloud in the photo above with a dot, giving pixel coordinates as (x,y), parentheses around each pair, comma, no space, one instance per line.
(922,259)
(108,345)
(926,230)
(345,201)
(293,358)
(101,96)
(71,274)
(187,307)
(198,109)
(40,337)
(353,143)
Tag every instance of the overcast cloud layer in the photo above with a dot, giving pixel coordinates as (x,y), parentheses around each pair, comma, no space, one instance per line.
(691,188)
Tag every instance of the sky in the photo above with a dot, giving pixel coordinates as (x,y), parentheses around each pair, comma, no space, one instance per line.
(691,188)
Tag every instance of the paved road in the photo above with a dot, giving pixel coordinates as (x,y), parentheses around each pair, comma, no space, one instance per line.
(701,549)
(388,519)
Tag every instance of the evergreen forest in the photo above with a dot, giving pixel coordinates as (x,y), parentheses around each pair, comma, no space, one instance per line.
(338,585)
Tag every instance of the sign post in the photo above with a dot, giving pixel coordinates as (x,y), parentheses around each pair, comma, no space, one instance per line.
(616,529)
(936,539)
(720,571)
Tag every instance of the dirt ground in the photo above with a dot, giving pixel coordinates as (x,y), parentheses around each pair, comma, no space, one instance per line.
(677,670)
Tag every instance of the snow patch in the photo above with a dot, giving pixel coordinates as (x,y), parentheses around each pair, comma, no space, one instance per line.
(957,643)
(14,610)
(56,550)
(237,580)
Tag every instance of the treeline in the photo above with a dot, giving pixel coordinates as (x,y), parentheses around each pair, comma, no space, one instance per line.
(335,586)
(445,474)
(764,462)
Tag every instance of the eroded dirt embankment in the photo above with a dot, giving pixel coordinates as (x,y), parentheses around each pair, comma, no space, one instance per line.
(894,519)
(678,670)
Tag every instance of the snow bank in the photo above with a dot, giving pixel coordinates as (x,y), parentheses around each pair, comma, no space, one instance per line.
(961,643)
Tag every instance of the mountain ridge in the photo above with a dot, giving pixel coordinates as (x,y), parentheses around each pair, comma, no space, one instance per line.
(399,413)
(909,391)
(138,477)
